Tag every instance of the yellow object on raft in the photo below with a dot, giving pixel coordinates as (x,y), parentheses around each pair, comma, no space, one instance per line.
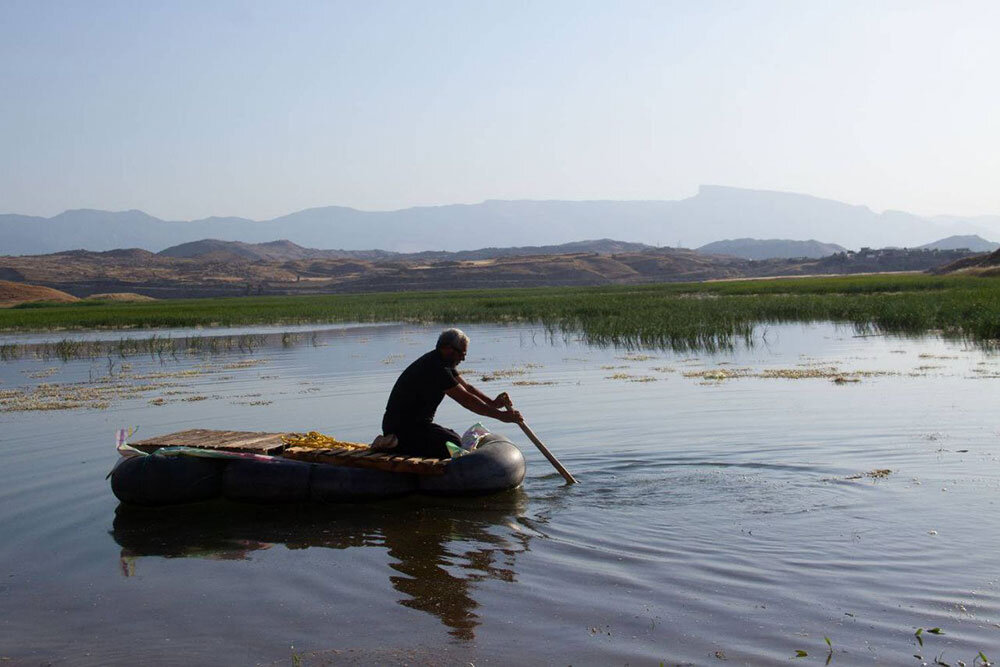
(317,440)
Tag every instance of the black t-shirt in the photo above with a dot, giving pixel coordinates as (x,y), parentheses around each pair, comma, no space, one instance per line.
(418,392)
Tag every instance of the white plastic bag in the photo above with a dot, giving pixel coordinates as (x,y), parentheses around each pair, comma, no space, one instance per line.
(475,433)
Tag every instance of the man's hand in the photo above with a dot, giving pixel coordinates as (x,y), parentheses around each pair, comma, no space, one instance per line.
(511,416)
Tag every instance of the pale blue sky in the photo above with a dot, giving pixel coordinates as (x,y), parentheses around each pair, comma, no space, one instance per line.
(191,109)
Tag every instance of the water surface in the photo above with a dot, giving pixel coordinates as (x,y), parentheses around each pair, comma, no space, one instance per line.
(724,509)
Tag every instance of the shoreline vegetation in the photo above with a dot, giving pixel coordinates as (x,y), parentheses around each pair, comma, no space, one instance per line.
(679,316)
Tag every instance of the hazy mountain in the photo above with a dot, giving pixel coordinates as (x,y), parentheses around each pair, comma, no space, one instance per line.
(771,248)
(973,243)
(986,221)
(716,212)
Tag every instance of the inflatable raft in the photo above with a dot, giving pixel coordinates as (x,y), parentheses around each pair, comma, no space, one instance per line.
(199,465)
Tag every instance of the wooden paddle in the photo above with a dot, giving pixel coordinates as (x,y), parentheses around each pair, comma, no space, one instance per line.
(538,443)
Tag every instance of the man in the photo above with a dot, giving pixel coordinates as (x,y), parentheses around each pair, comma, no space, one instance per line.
(409,413)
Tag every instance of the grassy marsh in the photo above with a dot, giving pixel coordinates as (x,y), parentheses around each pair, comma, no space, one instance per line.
(673,315)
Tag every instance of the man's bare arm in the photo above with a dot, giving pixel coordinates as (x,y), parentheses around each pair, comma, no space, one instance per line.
(475,403)
(475,392)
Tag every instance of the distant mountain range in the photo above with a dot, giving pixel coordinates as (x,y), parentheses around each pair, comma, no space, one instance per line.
(716,212)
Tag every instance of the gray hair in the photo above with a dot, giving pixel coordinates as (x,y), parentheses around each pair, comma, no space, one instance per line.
(452,338)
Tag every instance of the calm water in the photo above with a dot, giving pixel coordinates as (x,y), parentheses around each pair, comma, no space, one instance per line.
(716,516)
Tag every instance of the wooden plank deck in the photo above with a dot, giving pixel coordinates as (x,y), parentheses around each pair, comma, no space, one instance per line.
(258,442)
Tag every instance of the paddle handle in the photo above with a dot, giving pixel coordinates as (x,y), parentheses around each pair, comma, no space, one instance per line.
(544,450)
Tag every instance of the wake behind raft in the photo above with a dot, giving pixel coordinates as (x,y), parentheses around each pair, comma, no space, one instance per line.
(197,465)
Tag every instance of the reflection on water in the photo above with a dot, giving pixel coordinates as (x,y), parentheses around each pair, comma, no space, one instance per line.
(440,549)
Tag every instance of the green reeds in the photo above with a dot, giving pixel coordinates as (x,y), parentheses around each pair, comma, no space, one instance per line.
(715,315)
(155,346)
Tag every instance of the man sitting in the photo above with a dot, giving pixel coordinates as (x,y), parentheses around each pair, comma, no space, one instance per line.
(409,413)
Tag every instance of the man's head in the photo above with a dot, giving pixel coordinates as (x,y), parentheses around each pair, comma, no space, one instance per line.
(453,344)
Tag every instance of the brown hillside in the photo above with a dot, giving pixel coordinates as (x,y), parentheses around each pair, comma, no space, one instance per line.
(984,264)
(12,294)
(119,296)
(83,273)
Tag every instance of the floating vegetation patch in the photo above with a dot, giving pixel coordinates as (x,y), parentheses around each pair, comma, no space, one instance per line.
(244,363)
(799,373)
(48,372)
(119,384)
(632,378)
(392,359)
(189,372)
(505,373)
(532,383)
(70,396)
(664,369)
(718,373)
(881,473)
(877,474)
(636,357)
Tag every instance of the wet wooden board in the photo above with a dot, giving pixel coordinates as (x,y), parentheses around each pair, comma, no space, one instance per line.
(365,458)
(256,442)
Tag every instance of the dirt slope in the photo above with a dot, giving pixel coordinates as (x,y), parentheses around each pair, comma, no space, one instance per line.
(986,264)
(120,296)
(12,294)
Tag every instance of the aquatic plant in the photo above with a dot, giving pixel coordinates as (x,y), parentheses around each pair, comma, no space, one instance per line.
(706,316)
